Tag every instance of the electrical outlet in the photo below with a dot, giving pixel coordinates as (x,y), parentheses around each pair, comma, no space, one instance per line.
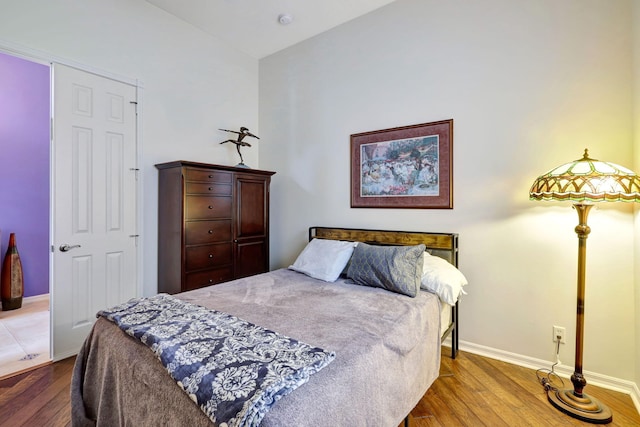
(559,331)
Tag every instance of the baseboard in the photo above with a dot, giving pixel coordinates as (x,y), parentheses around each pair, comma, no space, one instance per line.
(604,381)
(35,298)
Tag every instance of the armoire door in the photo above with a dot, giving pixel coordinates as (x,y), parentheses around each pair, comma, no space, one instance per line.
(94,202)
(251,225)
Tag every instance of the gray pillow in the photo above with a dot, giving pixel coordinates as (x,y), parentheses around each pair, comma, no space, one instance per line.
(394,268)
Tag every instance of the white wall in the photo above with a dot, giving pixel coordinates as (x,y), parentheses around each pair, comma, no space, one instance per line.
(529,85)
(193,84)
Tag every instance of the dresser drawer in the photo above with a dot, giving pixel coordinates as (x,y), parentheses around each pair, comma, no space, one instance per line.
(208,277)
(207,256)
(206,175)
(202,232)
(208,188)
(205,207)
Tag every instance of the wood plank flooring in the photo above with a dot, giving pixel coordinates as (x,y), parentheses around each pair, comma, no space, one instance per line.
(471,391)
(39,397)
(477,391)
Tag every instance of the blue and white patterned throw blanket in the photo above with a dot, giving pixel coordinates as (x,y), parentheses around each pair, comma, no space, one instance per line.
(234,370)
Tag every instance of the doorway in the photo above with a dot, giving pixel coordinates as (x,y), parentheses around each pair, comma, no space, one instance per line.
(110,177)
(24,206)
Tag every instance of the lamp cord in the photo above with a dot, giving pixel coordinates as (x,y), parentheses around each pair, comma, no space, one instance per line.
(548,378)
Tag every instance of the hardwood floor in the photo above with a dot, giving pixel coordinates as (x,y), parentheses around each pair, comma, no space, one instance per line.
(38,398)
(477,391)
(471,391)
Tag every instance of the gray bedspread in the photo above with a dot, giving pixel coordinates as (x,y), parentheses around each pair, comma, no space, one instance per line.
(387,355)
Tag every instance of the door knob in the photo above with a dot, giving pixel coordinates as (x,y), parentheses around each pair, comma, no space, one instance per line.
(66,248)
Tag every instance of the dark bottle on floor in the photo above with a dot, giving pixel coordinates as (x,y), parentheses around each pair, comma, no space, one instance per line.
(12,283)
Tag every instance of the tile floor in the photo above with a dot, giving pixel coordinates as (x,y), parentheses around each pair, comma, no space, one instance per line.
(24,336)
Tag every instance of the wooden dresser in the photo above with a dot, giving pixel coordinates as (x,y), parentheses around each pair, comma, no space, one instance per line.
(213,224)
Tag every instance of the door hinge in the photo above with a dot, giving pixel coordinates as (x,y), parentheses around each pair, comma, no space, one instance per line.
(136,171)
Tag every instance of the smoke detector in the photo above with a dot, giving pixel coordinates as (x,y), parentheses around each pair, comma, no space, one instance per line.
(285,19)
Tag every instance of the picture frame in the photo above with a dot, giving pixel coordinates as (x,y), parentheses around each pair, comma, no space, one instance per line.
(408,167)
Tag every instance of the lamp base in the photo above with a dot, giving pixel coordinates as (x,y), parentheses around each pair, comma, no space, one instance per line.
(585,408)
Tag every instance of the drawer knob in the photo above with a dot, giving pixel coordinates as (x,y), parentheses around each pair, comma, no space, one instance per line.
(210,255)
(210,207)
(210,231)
(210,188)
(210,176)
(210,280)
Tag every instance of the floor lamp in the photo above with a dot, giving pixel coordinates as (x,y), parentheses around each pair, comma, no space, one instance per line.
(584,181)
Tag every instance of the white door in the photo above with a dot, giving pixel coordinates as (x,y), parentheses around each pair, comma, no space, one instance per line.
(94,202)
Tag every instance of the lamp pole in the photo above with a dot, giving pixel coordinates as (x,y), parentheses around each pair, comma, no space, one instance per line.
(574,402)
(582,230)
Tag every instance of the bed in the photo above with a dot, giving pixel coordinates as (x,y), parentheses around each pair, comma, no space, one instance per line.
(386,346)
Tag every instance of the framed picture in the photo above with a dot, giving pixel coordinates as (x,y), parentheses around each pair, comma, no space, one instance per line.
(404,167)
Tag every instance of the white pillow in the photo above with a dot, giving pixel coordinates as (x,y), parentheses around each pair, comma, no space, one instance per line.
(442,278)
(324,259)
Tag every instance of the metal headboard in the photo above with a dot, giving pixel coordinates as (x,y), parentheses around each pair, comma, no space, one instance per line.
(444,245)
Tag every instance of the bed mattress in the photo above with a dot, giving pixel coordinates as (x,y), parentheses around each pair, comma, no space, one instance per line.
(387,355)
(445,317)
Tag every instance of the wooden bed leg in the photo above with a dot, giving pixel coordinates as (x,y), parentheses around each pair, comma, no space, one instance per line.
(406,421)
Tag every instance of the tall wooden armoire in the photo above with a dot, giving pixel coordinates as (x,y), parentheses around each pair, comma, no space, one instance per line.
(213,224)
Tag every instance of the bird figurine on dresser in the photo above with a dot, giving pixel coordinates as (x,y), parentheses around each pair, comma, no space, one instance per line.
(244,132)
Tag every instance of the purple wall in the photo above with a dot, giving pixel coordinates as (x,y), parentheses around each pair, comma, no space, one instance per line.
(24,167)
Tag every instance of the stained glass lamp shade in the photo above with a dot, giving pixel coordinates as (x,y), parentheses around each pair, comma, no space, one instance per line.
(587,180)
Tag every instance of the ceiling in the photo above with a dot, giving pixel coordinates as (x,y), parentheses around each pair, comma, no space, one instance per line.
(252,25)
